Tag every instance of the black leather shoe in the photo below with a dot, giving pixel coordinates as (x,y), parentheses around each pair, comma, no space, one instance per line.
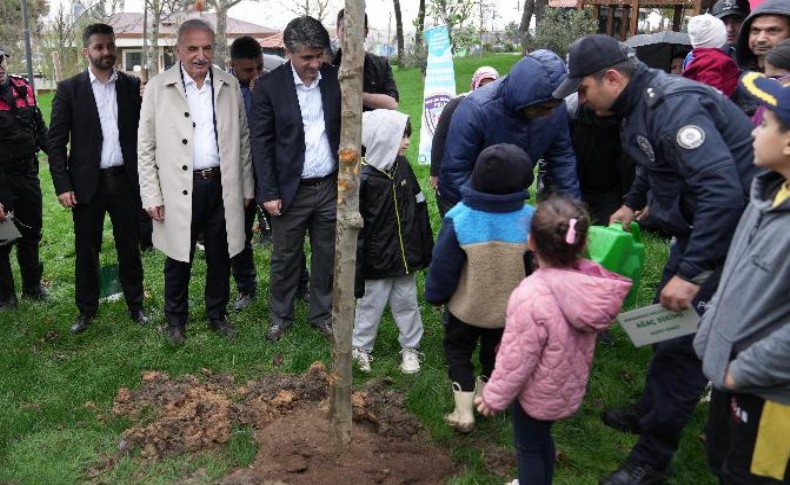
(80,324)
(324,329)
(244,300)
(623,419)
(36,294)
(605,338)
(223,328)
(176,335)
(276,331)
(8,304)
(634,473)
(139,317)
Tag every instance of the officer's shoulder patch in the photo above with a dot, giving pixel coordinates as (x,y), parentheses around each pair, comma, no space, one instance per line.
(690,137)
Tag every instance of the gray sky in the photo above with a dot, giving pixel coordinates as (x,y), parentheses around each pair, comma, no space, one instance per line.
(275,14)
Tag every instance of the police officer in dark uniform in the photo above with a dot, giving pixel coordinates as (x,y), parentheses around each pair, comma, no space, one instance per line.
(694,149)
(22,134)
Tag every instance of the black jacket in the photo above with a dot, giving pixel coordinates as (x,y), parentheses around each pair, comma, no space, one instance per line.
(600,162)
(22,128)
(440,134)
(277,131)
(396,239)
(75,123)
(377,76)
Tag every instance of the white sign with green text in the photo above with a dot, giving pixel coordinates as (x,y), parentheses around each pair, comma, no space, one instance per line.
(655,323)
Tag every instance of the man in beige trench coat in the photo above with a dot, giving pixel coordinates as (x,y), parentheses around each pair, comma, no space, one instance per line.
(195,173)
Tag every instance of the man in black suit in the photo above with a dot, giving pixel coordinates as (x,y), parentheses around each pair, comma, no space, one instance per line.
(99,111)
(295,133)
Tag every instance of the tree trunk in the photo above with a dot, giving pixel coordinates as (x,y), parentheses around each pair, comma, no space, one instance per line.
(399,32)
(526,19)
(153,60)
(420,23)
(221,44)
(540,11)
(144,67)
(349,222)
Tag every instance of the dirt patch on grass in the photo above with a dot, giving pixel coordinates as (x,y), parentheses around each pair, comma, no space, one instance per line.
(190,414)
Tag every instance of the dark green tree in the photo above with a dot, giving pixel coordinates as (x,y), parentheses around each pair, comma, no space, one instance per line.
(560,28)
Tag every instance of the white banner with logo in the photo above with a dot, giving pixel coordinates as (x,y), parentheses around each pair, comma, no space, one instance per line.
(439,86)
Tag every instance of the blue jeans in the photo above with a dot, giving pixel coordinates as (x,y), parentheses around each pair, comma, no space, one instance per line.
(534,448)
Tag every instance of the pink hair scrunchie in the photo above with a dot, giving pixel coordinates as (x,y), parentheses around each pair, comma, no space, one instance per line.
(570,236)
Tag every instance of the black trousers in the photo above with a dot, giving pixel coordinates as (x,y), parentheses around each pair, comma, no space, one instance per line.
(314,208)
(674,381)
(115,196)
(460,341)
(19,182)
(243,264)
(146,230)
(733,430)
(442,204)
(208,218)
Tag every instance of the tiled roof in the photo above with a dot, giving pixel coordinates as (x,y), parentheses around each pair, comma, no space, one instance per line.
(273,41)
(130,24)
(562,3)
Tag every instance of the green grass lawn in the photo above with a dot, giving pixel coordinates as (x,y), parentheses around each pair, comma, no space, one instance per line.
(56,389)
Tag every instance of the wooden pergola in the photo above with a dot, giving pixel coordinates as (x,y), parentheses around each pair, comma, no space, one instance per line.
(624,25)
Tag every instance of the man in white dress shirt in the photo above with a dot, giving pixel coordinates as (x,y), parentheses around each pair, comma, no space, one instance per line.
(98,112)
(195,174)
(295,133)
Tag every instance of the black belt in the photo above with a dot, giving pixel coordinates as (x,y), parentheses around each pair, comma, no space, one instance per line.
(317,180)
(112,171)
(207,173)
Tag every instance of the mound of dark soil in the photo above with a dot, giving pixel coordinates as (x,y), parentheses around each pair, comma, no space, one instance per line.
(189,414)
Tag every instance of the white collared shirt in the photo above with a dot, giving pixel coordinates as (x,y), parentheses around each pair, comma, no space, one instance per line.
(107,106)
(318,159)
(205,152)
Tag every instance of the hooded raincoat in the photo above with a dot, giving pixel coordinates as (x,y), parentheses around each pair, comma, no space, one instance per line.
(493,114)
(396,239)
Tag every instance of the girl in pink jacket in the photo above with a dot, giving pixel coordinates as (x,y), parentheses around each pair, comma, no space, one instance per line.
(552,319)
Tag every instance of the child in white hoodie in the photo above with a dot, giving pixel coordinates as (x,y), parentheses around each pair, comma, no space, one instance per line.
(395,242)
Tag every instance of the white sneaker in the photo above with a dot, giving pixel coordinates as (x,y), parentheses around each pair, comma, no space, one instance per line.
(411,361)
(362,359)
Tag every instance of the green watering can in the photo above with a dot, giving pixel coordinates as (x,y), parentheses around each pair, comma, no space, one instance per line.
(620,252)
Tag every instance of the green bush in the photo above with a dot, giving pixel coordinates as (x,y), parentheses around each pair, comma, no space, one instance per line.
(559,28)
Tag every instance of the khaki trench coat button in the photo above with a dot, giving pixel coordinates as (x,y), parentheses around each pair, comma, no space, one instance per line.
(185,192)
(184,168)
(184,141)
